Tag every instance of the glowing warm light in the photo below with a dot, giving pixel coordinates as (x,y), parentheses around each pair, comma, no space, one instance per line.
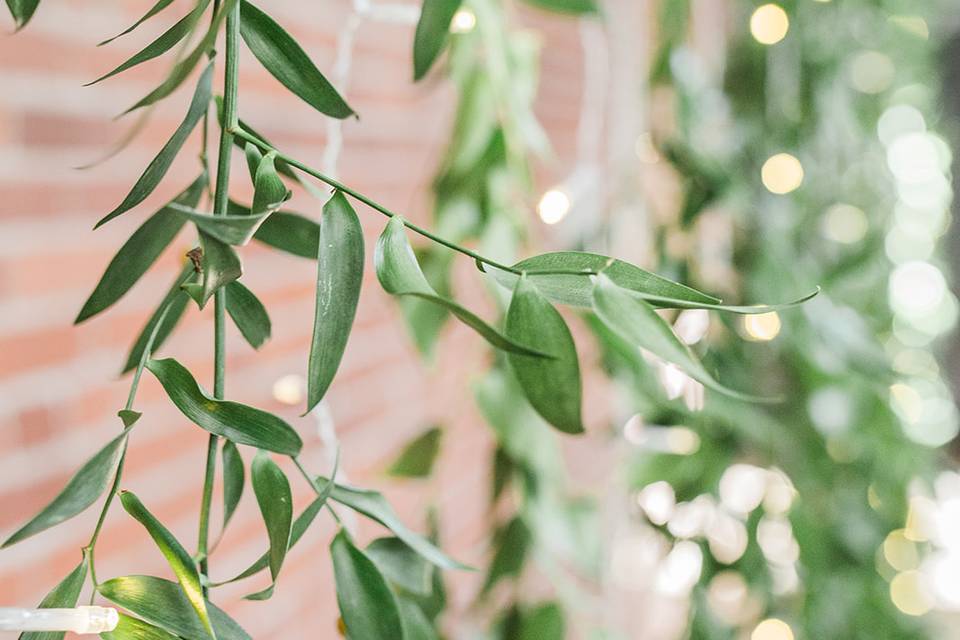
(772,629)
(781,173)
(916,289)
(779,494)
(729,597)
(844,223)
(288,389)
(769,24)
(831,410)
(692,518)
(912,24)
(944,572)
(691,325)
(680,570)
(917,158)
(680,441)
(742,487)
(871,72)
(727,538)
(464,20)
(921,519)
(909,594)
(775,537)
(554,206)
(899,120)
(900,552)
(762,327)
(657,501)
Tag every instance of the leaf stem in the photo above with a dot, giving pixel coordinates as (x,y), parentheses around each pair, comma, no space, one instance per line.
(316,487)
(240,133)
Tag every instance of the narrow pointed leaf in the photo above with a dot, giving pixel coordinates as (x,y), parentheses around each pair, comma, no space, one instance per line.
(373,505)
(221,266)
(139,252)
(552,385)
(237,422)
(162,603)
(399,274)
(253,156)
(545,622)
(572,7)
(164,42)
(433,30)
(283,168)
(367,605)
(748,309)
(22,11)
(637,322)
(401,565)
(161,163)
(233,480)
(177,557)
(417,458)
(175,303)
(130,628)
(290,232)
(577,290)
(288,62)
(154,10)
(62,596)
(276,506)
(84,488)
(249,314)
(339,276)
(513,545)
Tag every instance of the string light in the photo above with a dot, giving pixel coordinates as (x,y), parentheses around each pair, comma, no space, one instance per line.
(762,327)
(288,389)
(769,24)
(554,206)
(844,223)
(781,173)
(464,21)
(909,594)
(772,629)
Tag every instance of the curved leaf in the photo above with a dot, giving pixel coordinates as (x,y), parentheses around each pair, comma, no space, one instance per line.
(367,605)
(232,420)
(339,277)
(248,313)
(748,309)
(276,506)
(129,628)
(221,266)
(513,544)
(290,232)
(139,252)
(233,479)
(552,385)
(399,274)
(22,11)
(84,488)
(417,458)
(154,10)
(162,603)
(177,557)
(637,322)
(401,565)
(161,163)
(175,303)
(64,595)
(416,626)
(433,29)
(576,290)
(288,62)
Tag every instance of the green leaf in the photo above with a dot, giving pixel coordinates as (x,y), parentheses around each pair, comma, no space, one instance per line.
(233,479)
(22,11)
(253,156)
(288,62)
(62,596)
(417,458)
(373,505)
(276,506)
(513,544)
(552,385)
(177,557)
(577,290)
(416,626)
(637,322)
(175,302)
(237,422)
(139,253)
(154,10)
(545,622)
(162,603)
(161,163)
(573,7)
(339,277)
(400,274)
(248,313)
(367,605)
(162,44)
(433,29)
(401,565)
(290,232)
(221,266)
(84,488)
(269,191)
(129,628)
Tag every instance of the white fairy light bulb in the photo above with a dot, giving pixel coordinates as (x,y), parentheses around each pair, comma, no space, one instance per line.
(288,389)
(772,629)
(781,173)
(86,620)
(769,24)
(554,206)
(464,21)
(762,327)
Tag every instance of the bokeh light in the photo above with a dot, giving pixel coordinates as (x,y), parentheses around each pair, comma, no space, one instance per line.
(769,24)
(782,173)
(554,206)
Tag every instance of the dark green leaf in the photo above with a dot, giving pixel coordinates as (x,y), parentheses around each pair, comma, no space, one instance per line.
(503,468)
(84,488)
(129,628)
(401,565)
(22,11)
(232,420)
(139,252)
(417,458)
(552,385)
(577,290)
(162,603)
(288,62)
(416,626)
(154,10)
(248,313)
(399,274)
(433,29)
(229,229)
(339,277)
(221,266)
(513,544)
(367,605)
(233,479)
(177,557)
(269,191)
(64,595)
(282,167)
(162,44)
(290,232)
(128,417)
(175,303)
(544,622)
(161,163)
(276,506)
(573,7)
(373,505)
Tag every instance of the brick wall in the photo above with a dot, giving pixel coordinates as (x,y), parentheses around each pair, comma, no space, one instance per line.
(59,384)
